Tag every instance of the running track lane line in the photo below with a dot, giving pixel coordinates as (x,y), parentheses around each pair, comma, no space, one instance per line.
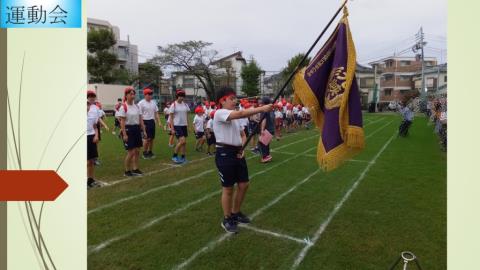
(214,243)
(223,237)
(337,207)
(176,183)
(126,179)
(149,224)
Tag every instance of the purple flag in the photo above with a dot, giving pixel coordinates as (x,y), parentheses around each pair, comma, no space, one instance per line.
(328,87)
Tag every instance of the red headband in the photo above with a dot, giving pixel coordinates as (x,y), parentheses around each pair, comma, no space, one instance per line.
(225,97)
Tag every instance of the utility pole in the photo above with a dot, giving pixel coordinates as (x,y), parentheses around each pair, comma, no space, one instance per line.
(419,46)
(375,89)
(424,91)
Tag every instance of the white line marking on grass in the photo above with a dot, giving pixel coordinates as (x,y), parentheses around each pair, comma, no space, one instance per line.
(171,166)
(214,243)
(337,207)
(285,153)
(376,121)
(108,205)
(176,183)
(304,241)
(211,245)
(299,141)
(176,165)
(149,224)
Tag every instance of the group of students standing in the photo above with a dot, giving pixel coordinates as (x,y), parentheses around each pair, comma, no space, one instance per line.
(224,125)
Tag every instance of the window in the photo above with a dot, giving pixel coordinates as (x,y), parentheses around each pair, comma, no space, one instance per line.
(188,82)
(389,63)
(404,92)
(404,78)
(405,63)
(445,78)
(388,77)
(388,92)
(366,82)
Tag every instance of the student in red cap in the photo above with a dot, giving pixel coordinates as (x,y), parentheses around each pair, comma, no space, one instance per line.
(210,134)
(179,120)
(199,128)
(132,129)
(149,111)
(230,159)
(93,115)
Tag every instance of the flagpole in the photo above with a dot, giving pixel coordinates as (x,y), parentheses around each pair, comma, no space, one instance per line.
(297,68)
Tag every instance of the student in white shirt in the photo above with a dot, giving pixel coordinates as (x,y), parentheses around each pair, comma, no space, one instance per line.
(149,111)
(132,129)
(210,134)
(178,119)
(229,159)
(199,128)
(92,138)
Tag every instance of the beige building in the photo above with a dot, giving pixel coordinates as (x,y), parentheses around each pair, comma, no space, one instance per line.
(127,53)
(435,80)
(396,76)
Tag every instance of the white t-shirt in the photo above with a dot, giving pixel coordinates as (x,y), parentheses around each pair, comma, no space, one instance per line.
(227,132)
(244,122)
(198,122)
(148,109)
(132,116)
(179,111)
(92,119)
(278,114)
(210,125)
(295,110)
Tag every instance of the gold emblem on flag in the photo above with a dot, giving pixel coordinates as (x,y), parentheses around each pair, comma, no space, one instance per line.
(335,88)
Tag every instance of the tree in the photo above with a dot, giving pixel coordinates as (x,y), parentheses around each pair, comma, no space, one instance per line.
(149,74)
(192,57)
(251,78)
(101,60)
(288,70)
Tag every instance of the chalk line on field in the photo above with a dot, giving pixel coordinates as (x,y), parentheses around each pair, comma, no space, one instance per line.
(170,167)
(214,243)
(147,225)
(337,207)
(304,241)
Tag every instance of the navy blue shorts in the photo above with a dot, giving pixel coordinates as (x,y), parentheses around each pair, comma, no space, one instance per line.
(180,131)
(230,168)
(92,152)
(199,135)
(134,134)
(212,139)
(150,128)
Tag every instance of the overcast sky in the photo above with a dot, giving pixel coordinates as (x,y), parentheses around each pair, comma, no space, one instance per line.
(272,31)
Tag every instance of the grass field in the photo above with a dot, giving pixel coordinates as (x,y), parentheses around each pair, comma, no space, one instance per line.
(388,199)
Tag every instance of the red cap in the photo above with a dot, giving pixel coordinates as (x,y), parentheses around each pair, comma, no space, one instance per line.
(129,89)
(212,113)
(199,109)
(180,92)
(147,91)
(91,92)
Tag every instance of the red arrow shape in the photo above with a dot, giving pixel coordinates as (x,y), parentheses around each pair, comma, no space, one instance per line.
(30,185)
